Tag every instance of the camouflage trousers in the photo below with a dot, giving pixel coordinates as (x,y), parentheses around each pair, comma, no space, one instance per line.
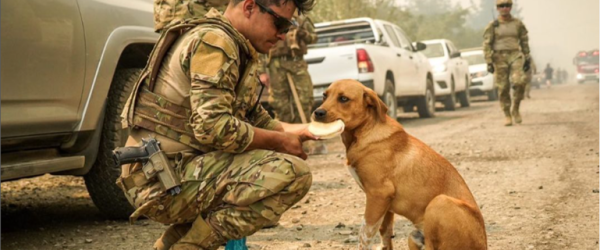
(280,94)
(236,194)
(509,73)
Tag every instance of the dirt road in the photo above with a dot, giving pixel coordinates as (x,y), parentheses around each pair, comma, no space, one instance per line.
(537,185)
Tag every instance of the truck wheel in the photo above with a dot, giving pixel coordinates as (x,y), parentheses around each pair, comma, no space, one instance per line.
(464,96)
(450,101)
(100,181)
(426,103)
(492,95)
(389,98)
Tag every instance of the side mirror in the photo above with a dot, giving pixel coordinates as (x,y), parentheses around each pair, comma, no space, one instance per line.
(455,54)
(420,46)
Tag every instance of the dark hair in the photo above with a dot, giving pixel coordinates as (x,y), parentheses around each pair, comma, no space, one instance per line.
(302,5)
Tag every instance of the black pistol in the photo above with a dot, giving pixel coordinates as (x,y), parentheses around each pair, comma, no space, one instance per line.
(155,163)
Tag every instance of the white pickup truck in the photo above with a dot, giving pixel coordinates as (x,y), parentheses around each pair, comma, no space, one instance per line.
(378,54)
(450,72)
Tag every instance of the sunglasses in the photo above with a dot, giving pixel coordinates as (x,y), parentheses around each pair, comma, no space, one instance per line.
(504,5)
(282,24)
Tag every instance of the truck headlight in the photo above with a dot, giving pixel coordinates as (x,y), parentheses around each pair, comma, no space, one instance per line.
(440,68)
(579,76)
(482,74)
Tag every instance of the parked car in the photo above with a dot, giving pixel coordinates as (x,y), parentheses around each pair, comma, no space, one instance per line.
(482,82)
(450,73)
(378,54)
(67,69)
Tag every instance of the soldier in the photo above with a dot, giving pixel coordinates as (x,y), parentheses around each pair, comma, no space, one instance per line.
(239,168)
(285,63)
(506,48)
(287,57)
(172,11)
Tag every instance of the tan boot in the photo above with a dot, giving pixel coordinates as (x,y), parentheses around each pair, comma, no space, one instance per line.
(508,121)
(507,117)
(517,116)
(515,112)
(200,237)
(171,236)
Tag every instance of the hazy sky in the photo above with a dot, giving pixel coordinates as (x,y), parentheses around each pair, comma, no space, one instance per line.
(557,28)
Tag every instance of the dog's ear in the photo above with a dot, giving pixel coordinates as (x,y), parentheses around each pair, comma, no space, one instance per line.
(375,103)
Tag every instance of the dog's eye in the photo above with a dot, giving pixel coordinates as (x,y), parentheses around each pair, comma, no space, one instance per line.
(343,99)
(324,96)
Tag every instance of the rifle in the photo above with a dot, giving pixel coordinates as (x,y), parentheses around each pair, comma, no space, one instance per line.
(155,163)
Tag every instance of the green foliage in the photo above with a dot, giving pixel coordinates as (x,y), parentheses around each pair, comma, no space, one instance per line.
(421,19)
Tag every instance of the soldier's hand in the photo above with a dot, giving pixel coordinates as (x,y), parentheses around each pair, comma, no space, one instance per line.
(291,144)
(490,68)
(527,65)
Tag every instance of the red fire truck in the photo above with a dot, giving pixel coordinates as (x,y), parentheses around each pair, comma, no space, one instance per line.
(587,65)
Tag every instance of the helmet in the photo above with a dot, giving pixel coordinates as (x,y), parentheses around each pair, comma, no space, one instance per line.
(504,1)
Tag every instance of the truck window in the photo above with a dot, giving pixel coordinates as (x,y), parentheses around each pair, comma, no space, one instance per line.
(434,50)
(404,41)
(392,35)
(475,59)
(357,32)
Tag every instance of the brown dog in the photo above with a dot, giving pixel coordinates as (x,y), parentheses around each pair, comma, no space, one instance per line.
(401,175)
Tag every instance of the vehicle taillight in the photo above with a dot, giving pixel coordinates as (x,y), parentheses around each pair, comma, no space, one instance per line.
(596,71)
(364,63)
(596,53)
(582,54)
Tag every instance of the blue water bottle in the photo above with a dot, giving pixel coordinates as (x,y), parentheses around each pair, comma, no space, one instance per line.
(236,244)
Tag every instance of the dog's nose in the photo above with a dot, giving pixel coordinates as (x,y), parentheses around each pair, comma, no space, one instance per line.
(320,114)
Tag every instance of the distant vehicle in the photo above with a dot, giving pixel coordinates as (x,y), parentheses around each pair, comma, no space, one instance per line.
(378,54)
(482,82)
(67,70)
(587,65)
(450,73)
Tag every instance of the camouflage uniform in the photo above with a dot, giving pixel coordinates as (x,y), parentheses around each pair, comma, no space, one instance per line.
(507,47)
(285,60)
(172,11)
(201,108)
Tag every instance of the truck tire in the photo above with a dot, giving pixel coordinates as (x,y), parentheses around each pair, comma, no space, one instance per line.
(450,101)
(464,96)
(389,98)
(426,103)
(100,180)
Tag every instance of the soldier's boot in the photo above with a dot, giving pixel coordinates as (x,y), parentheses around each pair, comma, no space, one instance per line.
(171,236)
(199,237)
(516,114)
(507,117)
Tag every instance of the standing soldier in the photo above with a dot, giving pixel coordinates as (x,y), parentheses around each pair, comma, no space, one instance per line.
(506,48)
(168,12)
(286,69)
(234,169)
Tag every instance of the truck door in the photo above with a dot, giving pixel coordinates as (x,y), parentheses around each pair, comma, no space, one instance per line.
(402,64)
(416,75)
(43,65)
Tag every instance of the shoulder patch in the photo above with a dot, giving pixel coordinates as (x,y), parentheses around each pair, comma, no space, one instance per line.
(222,42)
(213,56)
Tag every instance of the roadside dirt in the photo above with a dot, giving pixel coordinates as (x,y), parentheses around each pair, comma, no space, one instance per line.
(537,185)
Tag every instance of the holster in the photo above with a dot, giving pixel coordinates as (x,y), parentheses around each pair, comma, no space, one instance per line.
(158,165)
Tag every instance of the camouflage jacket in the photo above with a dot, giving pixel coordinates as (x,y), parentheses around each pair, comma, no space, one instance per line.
(509,34)
(217,109)
(297,39)
(167,12)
